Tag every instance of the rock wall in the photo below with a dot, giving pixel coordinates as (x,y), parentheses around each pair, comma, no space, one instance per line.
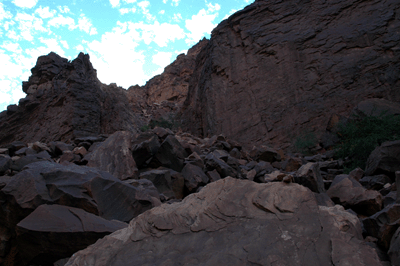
(164,94)
(65,100)
(278,69)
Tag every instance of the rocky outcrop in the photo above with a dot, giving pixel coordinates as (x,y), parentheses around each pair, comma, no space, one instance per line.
(280,68)
(65,100)
(237,222)
(163,95)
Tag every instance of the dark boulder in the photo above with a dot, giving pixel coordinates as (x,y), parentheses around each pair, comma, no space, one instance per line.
(346,191)
(53,232)
(115,156)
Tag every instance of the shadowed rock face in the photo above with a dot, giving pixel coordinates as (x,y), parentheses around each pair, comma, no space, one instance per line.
(279,68)
(173,83)
(65,100)
(236,222)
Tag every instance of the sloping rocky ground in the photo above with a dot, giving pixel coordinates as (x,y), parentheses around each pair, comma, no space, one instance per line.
(194,201)
(80,184)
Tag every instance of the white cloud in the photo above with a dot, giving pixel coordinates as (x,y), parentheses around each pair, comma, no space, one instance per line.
(25,3)
(124,11)
(177,17)
(79,48)
(199,25)
(162,58)
(29,25)
(114,3)
(11,34)
(106,56)
(63,9)
(162,12)
(52,46)
(164,1)
(64,44)
(129,1)
(213,8)
(145,11)
(161,34)
(84,24)
(175,2)
(62,21)
(3,13)
(12,47)
(45,12)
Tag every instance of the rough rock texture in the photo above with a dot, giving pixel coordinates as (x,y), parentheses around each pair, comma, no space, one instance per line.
(385,159)
(115,156)
(279,68)
(86,188)
(234,222)
(383,224)
(394,251)
(71,228)
(348,192)
(173,83)
(66,100)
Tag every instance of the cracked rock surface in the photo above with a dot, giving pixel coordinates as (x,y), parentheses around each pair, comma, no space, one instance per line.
(264,224)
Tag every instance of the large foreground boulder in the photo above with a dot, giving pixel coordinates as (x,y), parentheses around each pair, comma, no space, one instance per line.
(54,232)
(86,188)
(236,222)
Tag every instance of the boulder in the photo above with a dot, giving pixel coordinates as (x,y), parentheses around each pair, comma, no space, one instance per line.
(194,177)
(115,156)
(224,170)
(87,188)
(385,159)
(92,190)
(171,154)
(219,226)
(375,107)
(144,147)
(375,182)
(348,192)
(264,153)
(394,251)
(5,163)
(309,175)
(53,232)
(383,224)
(161,180)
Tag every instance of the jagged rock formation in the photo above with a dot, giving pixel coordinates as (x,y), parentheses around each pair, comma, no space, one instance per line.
(163,95)
(65,100)
(279,68)
(173,83)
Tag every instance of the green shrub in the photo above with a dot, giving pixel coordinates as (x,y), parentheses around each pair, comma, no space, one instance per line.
(162,122)
(144,128)
(305,143)
(359,137)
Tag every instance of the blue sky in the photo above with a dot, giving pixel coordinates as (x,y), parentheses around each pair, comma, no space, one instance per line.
(129,41)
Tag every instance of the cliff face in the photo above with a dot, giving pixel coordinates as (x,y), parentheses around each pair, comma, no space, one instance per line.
(173,83)
(164,94)
(65,100)
(281,68)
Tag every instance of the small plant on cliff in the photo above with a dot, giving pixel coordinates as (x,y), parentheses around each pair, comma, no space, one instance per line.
(305,143)
(359,137)
(161,122)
